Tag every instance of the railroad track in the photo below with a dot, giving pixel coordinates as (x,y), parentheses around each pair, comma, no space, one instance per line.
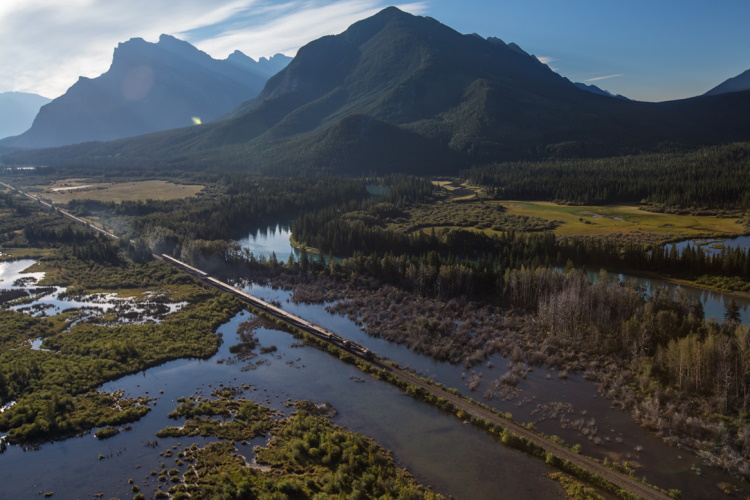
(625,482)
(590,465)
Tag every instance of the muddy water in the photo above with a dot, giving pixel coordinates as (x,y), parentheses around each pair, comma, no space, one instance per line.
(439,450)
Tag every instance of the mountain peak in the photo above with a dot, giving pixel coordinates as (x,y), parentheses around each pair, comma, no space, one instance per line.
(176,45)
(149,87)
(164,38)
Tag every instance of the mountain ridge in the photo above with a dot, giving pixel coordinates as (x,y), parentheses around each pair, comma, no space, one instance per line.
(413,82)
(737,83)
(148,87)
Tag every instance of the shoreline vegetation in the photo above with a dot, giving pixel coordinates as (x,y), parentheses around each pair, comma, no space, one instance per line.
(54,388)
(306,454)
(655,404)
(495,422)
(641,353)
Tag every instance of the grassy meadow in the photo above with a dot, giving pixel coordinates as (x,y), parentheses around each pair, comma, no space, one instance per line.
(65,190)
(464,207)
(625,220)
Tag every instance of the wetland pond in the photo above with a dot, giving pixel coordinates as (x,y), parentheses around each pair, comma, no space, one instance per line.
(276,238)
(555,405)
(438,449)
(712,246)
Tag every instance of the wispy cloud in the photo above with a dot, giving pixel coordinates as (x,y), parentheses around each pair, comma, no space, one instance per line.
(294,24)
(48,44)
(548,61)
(596,79)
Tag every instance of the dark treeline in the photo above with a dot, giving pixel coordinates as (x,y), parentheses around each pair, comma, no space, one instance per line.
(82,242)
(230,206)
(713,177)
(655,355)
(333,234)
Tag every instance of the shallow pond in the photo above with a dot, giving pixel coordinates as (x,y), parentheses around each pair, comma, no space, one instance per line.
(621,438)
(712,246)
(439,450)
(272,239)
(52,300)
(714,303)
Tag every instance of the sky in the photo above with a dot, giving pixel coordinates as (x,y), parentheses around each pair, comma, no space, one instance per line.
(653,50)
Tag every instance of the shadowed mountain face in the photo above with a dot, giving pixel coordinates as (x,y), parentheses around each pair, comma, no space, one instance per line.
(17,111)
(738,83)
(149,87)
(597,90)
(397,92)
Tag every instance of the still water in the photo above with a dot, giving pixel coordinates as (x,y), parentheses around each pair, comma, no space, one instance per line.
(621,438)
(438,449)
(275,238)
(272,239)
(713,246)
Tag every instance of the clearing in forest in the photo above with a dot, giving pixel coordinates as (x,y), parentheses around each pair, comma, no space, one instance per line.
(628,221)
(65,190)
(465,207)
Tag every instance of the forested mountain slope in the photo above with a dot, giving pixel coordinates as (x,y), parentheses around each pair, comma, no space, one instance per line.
(402,93)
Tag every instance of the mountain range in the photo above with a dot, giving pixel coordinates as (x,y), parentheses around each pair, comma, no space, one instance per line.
(149,87)
(403,93)
(738,83)
(18,110)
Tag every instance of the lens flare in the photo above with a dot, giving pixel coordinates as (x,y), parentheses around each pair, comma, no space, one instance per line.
(196,120)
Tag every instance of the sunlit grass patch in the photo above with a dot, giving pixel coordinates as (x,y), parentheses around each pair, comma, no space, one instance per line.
(624,219)
(65,190)
(24,253)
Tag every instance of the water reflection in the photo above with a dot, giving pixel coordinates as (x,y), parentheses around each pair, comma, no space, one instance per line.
(275,238)
(714,303)
(269,240)
(712,246)
(52,300)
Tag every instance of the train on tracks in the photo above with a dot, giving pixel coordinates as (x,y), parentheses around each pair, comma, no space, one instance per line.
(274,311)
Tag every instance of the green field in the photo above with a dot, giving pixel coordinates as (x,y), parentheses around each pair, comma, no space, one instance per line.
(465,207)
(626,221)
(65,190)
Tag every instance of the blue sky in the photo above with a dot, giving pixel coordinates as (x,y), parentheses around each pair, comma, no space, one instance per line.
(654,51)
